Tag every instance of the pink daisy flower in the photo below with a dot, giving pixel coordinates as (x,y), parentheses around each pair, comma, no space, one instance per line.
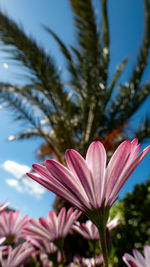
(43,245)
(89,231)
(91,262)
(46,250)
(10,257)
(11,226)
(88,184)
(54,227)
(86,262)
(137,260)
(45,260)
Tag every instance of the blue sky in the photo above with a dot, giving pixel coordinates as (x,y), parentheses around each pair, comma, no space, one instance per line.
(126,29)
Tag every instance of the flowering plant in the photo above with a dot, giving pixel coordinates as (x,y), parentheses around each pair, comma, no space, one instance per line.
(89,184)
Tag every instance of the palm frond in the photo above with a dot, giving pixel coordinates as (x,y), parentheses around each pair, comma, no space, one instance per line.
(85,106)
(88,45)
(115,79)
(65,51)
(143,131)
(42,67)
(32,132)
(142,57)
(106,41)
(86,29)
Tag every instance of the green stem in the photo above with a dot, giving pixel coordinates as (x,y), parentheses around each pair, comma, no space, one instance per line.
(93,246)
(99,217)
(94,254)
(103,244)
(60,244)
(62,256)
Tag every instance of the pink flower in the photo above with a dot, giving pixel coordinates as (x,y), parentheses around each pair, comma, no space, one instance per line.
(86,262)
(3,206)
(111,224)
(11,225)
(43,245)
(45,260)
(45,250)
(14,257)
(137,260)
(89,231)
(54,227)
(88,184)
(91,262)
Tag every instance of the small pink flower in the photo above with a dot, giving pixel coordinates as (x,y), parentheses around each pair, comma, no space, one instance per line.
(47,257)
(137,260)
(11,226)
(45,260)
(88,184)
(86,262)
(89,231)
(14,257)
(44,245)
(44,250)
(91,262)
(111,224)
(54,227)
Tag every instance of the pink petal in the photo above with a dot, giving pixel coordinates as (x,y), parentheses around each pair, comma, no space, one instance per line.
(52,218)
(80,231)
(50,232)
(62,174)
(127,173)
(129,260)
(116,166)
(96,161)
(39,229)
(42,171)
(61,220)
(79,168)
(147,253)
(73,217)
(138,257)
(87,230)
(57,188)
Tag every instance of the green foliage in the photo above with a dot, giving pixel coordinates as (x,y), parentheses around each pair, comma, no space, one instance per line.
(134,229)
(80,109)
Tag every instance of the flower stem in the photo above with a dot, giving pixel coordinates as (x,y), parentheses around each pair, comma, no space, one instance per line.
(103,244)
(62,257)
(60,244)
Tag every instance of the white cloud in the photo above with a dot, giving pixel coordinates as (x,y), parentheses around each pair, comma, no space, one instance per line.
(24,184)
(14,183)
(18,170)
(33,188)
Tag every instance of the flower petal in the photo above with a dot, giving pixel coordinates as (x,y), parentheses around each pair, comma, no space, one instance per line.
(79,168)
(129,260)
(61,220)
(116,166)
(96,161)
(62,174)
(57,188)
(147,253)
(127,173)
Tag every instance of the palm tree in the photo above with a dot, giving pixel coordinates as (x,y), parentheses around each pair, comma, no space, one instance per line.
(72,113)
